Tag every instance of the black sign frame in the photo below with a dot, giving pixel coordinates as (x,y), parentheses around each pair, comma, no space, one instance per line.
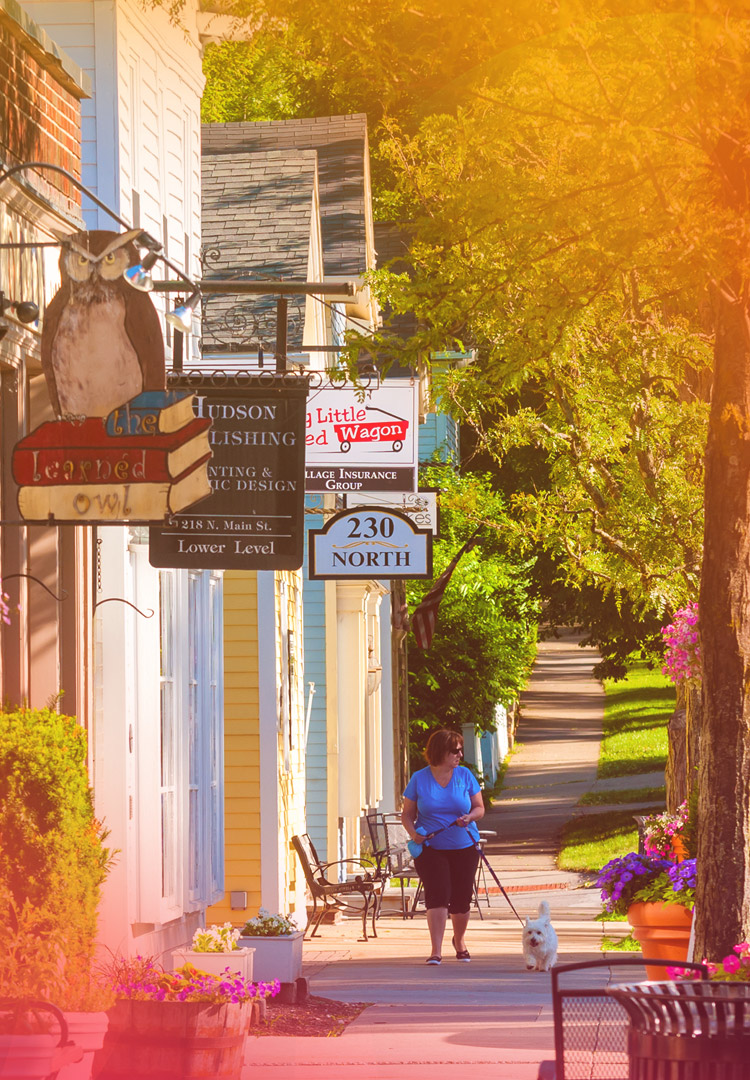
(267,459)
(369,573)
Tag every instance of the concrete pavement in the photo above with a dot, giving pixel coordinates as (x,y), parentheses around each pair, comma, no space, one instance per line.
(491,1017)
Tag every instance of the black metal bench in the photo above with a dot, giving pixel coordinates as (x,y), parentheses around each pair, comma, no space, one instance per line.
(591,1026)
(367,882)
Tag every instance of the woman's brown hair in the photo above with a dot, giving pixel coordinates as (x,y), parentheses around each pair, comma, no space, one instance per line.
(440,743)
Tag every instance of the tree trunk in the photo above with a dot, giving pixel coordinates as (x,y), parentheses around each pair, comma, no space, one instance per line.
(677,767)
(723,894)
(693,696)
(684,731)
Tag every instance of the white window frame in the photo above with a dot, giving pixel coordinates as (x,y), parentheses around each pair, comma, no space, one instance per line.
(194,606)
(205,740)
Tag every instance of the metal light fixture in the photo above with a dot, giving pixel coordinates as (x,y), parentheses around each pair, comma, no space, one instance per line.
(139,275)
(26,310)
(182,316)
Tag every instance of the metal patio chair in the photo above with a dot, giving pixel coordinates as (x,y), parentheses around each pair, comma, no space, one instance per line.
(368,884)
(389,842)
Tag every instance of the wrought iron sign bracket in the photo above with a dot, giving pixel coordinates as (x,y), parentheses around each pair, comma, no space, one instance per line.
(122,600)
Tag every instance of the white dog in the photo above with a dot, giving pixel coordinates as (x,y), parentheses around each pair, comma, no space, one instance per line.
(540,941)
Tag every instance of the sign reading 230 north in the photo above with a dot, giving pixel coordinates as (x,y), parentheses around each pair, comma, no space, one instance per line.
(370,543)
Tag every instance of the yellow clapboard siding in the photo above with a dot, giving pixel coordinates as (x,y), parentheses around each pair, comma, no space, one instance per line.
(241,744)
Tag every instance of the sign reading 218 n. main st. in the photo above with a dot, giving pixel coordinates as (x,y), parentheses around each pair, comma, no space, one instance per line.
(370,543)
(253,519)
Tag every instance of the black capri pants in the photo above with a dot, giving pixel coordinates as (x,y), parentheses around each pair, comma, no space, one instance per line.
(448,877)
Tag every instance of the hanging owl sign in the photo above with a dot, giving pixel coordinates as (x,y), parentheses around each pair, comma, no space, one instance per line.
(122,446)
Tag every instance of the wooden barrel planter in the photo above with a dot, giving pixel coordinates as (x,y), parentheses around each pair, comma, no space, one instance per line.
(173,1040)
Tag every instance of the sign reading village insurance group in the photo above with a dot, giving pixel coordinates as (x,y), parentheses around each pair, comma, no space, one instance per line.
(253,519)
(370,543)
(362,443)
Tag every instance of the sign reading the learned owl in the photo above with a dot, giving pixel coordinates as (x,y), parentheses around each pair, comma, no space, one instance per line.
(370,543)
(254,517)
(363,439)
(123,448)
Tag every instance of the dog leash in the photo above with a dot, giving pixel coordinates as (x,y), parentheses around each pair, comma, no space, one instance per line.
(497,881)
(413,844)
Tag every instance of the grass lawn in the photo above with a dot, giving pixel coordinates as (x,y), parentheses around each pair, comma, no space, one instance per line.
(629,795)
(636,711)
(591,841)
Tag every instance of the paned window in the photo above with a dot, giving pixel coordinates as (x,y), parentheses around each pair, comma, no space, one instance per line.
(168,741)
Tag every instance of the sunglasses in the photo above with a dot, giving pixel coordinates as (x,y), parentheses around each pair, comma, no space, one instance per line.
(457,750)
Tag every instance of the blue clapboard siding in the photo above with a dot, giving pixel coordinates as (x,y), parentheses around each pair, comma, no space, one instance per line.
(439,433)
(316,791)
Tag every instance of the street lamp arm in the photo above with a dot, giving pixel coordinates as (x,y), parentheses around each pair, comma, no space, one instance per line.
(6,175)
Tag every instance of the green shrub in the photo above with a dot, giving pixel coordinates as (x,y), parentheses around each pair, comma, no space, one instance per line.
(53,859)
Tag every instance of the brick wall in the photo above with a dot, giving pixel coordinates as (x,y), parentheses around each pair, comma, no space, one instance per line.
(40,118)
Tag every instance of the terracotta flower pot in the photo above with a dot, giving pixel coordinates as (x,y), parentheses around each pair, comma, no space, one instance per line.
(663,932)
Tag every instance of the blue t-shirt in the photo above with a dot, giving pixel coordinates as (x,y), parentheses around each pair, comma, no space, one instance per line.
(438,806)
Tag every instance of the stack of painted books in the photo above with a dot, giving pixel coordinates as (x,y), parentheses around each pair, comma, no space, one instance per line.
(147,459)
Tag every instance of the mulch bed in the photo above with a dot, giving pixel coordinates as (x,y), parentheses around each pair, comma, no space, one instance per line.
(316,1016)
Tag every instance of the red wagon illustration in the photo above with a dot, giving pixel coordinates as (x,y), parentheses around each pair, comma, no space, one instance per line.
(375,431)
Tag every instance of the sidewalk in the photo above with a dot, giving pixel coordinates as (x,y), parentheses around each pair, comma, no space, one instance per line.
(491,1016)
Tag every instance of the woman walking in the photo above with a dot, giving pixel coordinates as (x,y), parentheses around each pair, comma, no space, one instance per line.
(445,796)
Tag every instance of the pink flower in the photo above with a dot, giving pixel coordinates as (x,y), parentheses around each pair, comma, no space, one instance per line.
(731,964)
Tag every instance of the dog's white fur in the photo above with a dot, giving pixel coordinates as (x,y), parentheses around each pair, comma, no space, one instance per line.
(540,941)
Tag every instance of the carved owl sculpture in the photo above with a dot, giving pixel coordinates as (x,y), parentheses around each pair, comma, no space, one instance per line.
(101,339)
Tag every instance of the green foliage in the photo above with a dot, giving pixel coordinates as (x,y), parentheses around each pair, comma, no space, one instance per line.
(52,855)
(249,80)
(567,221)
(636,714)
(625,944)
(484,641)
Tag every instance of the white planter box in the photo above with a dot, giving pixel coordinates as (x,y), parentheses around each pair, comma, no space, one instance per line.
(239,961)
(87,1030)
(277,957)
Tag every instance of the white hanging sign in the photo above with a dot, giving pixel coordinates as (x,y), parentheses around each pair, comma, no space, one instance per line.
(362,443)
(421,506)
(370,543)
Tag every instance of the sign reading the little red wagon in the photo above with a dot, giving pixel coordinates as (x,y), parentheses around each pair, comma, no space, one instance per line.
(370,543)
(362,440)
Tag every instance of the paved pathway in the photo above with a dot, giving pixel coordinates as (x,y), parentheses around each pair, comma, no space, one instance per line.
(489,1018)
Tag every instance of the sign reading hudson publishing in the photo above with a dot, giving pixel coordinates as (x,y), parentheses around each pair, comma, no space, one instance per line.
(253,519)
